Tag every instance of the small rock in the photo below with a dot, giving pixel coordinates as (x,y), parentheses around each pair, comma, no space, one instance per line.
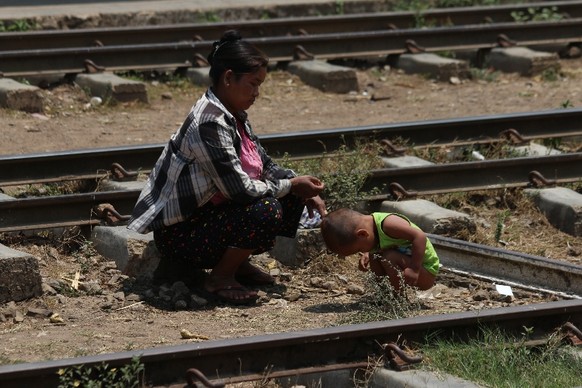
(180,288)
(56,318)
(329,285)
(91,287)
(119,296)
(197,301)
(48,290)
(132,298)
(316,281)
(501,297)
(36,312)
(293,296)
(355,289)
(18,316)
(167,96)
(343,279)
(481,295)
(180,305)
(275,272)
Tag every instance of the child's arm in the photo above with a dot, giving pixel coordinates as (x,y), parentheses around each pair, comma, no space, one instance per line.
(398,227)
(364,263)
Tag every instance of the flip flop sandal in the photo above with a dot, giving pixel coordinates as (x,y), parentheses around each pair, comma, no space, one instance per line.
(255,279)
(217,296)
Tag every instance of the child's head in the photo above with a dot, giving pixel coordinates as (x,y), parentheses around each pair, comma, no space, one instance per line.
(341,230)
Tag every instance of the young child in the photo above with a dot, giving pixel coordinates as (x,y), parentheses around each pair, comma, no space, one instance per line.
(401,246)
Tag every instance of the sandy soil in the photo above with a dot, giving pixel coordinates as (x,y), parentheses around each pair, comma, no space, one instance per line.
(110,313)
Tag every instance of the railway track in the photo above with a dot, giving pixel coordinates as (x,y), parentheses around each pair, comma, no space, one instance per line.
(177,55)
(517,128)
(322,349)
(119,36)
(296,353)
(178,47)
(125,163)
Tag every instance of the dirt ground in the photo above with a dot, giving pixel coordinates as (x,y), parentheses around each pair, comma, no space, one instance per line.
(110,313)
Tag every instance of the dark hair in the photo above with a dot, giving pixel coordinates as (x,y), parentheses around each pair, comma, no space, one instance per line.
(231,52)
(338,228)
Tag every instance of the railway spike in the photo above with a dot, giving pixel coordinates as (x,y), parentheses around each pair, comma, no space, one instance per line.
(573,333)
(398,358)
(504,41)
(107,212)
(399,192)
(538,180)
(513,136)
(200,61)
(121,174)
(91,67)
(301,54)
(413,48)
(192,374)
(390,149)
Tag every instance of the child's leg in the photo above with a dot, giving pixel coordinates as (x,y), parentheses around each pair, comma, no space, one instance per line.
(395,262)
(376,266)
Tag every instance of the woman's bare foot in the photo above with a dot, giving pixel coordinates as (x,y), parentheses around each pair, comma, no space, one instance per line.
(249,274)
(228,290)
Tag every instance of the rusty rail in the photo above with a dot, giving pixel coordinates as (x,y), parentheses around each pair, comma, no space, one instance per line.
(310,25)
(236,359)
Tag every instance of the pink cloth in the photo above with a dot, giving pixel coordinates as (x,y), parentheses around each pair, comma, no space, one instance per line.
(250,160)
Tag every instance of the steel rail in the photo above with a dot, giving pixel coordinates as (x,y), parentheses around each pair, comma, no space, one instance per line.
(62,210)
(520,269)
(89,164)
(116,36)
(287,48)
(469,176)
(234,358)
(65,210)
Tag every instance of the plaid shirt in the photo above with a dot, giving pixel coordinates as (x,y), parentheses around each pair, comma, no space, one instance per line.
(200,160)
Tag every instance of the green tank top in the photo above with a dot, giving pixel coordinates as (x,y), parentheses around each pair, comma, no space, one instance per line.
(431,260)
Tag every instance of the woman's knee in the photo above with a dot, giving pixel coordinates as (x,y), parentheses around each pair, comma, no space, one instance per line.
(266,212)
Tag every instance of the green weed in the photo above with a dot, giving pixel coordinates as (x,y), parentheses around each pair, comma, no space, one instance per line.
(497,359)
(102,376)
(487,75)
(16,26)
(381,302)
(344,173)
(534,14)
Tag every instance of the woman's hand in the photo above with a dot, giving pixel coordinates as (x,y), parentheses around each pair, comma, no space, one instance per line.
(306,186)
(315,203)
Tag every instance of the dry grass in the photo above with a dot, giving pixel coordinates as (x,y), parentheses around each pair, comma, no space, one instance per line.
(524,228)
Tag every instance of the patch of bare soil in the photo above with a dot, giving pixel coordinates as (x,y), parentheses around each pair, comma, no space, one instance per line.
(109,312)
